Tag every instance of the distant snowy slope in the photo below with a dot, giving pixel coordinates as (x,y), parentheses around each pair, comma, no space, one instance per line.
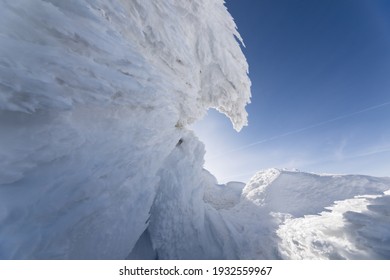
(94,96)
(300,193)
(291,214)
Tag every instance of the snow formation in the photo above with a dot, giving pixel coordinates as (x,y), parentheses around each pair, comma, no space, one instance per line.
(96,161)
(95,96)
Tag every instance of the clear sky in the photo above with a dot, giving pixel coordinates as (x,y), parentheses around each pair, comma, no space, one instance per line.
(320,74)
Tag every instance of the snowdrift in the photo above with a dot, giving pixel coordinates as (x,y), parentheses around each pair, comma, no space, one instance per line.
(96,161)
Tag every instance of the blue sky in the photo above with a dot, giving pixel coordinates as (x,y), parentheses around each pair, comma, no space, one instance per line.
(320,73)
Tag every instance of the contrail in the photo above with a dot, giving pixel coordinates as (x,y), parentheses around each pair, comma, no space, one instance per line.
(301,129)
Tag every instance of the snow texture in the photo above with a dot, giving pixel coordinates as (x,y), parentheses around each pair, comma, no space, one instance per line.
(96,161)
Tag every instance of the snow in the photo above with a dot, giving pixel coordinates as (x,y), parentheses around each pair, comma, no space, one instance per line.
(97,162)
(182,226)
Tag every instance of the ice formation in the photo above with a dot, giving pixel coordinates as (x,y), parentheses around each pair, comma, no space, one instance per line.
(96,161)
(95,96)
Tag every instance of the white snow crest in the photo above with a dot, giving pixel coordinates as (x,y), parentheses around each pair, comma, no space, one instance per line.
(62,54)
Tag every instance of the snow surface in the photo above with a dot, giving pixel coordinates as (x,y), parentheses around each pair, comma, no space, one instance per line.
(96,161)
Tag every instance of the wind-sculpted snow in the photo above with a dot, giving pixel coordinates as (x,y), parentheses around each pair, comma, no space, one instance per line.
(96,161)
(182,226)
(94,97)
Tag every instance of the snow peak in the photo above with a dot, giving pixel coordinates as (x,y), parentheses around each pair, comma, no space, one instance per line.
(149,271)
